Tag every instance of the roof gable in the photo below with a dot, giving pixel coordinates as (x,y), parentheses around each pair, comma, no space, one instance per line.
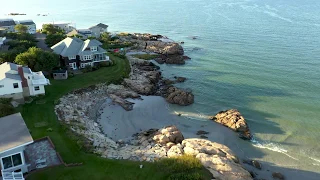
(100,25)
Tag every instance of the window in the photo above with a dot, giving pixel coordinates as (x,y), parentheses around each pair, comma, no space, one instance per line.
(89,57)
(1,86)
(72,57)
(12,161)
(15,85)
(55,74)
(93,48)
(28,77)
(36,88)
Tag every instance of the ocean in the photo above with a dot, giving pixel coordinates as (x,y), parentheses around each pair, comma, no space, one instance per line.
(259,56)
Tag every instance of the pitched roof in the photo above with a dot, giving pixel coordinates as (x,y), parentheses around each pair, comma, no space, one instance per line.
(7,22)
(14,132)
(75,46)
(7,66)
(59,71)
(68,47)
(101,25)
(26,22)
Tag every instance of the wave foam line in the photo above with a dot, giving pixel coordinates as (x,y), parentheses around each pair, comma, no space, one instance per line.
(191,115)
(271,147)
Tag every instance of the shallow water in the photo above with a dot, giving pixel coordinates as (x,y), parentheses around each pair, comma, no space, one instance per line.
(259,56)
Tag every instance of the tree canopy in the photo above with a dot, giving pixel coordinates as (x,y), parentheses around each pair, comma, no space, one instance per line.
(38,60)
(20,43)
(53,39)
(51,29)
(21,28)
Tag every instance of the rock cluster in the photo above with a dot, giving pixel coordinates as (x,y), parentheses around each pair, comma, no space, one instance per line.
(235,121)
(169,142)
(170,51)
(75,109)
(179,96)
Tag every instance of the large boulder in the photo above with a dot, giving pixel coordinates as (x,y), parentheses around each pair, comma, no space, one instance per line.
(168,134)
(175,151)
(235,121)
(217,158)
(179,96)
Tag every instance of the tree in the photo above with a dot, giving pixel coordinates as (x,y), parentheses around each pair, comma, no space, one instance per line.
(38,60)
(53,39)
(21,28)
(51,29)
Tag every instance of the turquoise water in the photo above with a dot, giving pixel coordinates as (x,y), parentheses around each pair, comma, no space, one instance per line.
(259,56)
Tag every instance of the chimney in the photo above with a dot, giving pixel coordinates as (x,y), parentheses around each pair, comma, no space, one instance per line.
(24,80)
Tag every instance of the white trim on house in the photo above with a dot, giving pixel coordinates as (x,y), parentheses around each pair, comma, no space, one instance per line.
(72,57)
(25,144)
(23,162)
(94,48)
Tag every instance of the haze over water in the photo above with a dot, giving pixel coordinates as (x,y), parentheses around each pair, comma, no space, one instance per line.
(259,56)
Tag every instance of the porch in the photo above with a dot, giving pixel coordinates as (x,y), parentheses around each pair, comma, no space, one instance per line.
(100,57)
(41,154)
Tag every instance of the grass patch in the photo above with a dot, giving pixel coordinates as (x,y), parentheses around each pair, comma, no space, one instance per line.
(184,167)
(146,56)
(74,148)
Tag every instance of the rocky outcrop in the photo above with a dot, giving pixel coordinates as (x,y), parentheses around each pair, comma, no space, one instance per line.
(166,48)
(217,158)
(178,96)
(127,105)
(235,121)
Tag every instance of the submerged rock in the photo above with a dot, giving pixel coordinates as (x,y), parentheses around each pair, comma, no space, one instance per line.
(277,175)
(179,96)
(235,121)
(127,105)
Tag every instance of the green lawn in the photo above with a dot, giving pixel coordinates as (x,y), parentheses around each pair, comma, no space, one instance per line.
(40,117)
(146,56)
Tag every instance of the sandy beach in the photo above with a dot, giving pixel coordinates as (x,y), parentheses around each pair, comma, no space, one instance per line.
(153,112)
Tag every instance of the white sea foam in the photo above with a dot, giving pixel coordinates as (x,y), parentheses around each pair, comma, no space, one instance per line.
(272,147)
(275,15)
(317,160)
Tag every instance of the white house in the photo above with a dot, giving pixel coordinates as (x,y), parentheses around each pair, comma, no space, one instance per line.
(32,28)
(7,24)
(18,82)
(14,137)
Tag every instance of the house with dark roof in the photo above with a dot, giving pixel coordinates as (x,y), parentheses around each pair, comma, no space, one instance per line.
(7,24)
(98,29)
(32,28)
(18,82)
(78,54)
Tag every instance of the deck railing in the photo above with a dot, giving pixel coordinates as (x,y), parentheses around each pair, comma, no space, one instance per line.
(6,175)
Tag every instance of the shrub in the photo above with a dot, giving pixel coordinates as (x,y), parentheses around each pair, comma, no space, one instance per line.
(181,163)
(105,64)
(87,68)
(185,167)
(6,109)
